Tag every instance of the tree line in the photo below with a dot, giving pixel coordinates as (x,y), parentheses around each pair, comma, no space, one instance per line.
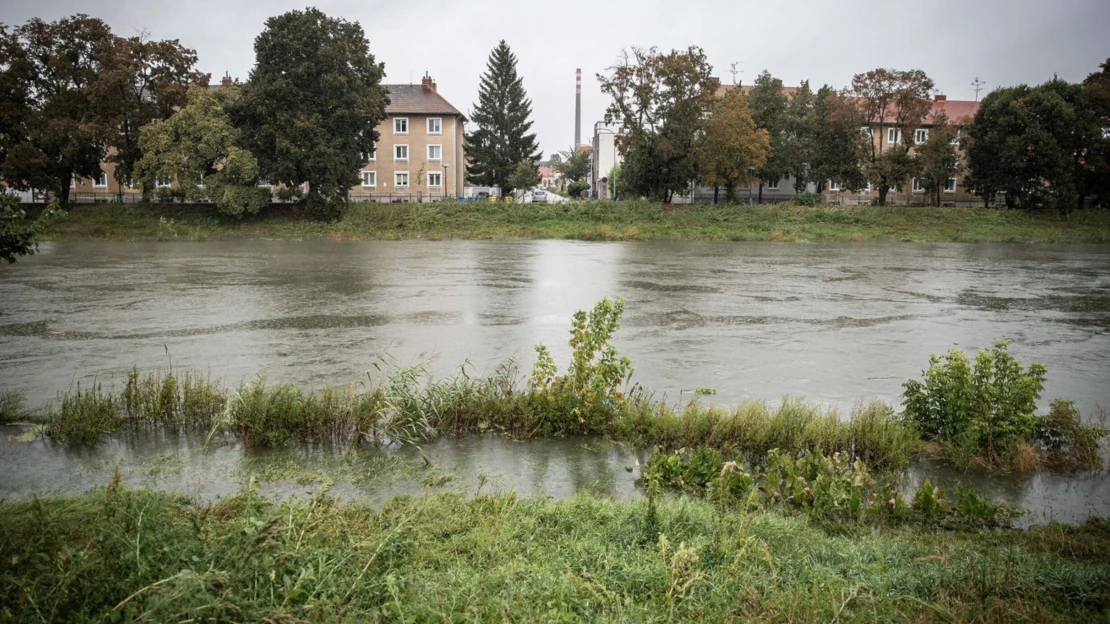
(1044,146)
(73,95)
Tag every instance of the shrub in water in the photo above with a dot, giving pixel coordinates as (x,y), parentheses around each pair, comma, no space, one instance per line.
(993,402)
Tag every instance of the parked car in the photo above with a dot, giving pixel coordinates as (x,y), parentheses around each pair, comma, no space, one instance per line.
(539,196)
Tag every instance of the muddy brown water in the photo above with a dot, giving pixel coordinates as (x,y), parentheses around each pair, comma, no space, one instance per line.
(833,323)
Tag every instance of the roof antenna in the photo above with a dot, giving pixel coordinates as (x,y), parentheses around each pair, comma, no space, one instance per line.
(978,84)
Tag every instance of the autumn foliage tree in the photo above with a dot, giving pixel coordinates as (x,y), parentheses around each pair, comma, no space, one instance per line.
(733,149)
(891,100)
(937,158)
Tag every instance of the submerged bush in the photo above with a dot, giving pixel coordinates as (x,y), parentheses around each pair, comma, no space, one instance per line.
(989,409)
(822,487)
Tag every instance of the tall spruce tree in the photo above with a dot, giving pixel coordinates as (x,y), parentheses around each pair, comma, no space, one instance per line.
(500,140)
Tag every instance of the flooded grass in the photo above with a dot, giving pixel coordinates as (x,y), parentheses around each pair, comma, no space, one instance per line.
(608,221)
(130,555)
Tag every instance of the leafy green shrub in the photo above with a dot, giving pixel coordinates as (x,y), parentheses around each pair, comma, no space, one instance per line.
(588,398)
(1070,443)
(12,407)
(993,403)
(807,199)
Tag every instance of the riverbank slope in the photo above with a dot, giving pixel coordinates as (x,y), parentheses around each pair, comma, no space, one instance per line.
(588,221)
(139,554)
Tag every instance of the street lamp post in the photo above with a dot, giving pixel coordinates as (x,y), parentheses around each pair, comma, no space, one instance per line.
(445,166)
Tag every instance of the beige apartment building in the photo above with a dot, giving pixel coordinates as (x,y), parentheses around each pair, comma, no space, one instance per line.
(419,155)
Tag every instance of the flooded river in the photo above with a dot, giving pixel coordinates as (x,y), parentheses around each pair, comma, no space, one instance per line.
(831,323)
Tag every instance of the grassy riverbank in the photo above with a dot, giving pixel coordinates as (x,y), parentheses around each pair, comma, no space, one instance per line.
(589,221)
(128,555)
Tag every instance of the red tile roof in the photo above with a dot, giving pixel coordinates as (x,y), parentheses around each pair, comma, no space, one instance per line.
(418,100)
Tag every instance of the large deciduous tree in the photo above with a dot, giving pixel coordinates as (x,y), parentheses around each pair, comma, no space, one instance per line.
(524,176)
(310,109)
(55,123)
(143,80)
(199,146)
(1031,143)
(573,163)
(799,132)
(734,149)
(838,147)
(501,138)
(660,100)
(891,99)
(1096,99)
(768,103)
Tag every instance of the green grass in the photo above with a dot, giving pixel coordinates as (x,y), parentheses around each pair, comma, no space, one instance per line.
(630,220)
(136,555)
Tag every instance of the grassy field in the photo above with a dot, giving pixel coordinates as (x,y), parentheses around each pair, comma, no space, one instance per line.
(136,555)
(589,221)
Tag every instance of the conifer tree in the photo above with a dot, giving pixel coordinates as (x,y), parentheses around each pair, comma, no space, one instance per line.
(501,138)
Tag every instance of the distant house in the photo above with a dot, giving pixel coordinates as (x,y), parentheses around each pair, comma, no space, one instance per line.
(549,177)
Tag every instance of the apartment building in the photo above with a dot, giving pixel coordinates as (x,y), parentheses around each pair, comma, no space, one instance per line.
(418,157)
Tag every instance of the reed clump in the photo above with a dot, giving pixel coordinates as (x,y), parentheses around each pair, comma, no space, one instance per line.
(118,554)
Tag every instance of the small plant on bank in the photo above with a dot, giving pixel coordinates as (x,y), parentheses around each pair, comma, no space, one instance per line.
(988,409)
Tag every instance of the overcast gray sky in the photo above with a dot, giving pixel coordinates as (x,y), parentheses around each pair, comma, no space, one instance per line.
(1003,42)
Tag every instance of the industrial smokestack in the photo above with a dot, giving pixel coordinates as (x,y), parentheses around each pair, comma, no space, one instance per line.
(578,109)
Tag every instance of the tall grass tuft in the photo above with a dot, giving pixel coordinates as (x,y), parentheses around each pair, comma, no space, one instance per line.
(13,407)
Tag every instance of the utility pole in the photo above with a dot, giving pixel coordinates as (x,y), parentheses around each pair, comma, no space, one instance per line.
(978,85)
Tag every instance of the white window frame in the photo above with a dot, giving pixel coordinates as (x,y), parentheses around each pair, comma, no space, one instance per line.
(893,136)
(955,137)
(438,174)
(373,179)
(373,156)
(96,181)
(438,146)
(398,121)
(946,183)
(265,184)
(834,186)
(867,189)
(397,149)
(397,179)
(893,189)
(160,182)
(920,136)
(772,186)
(866,130)
(72,181)
(917,188)
(439,123)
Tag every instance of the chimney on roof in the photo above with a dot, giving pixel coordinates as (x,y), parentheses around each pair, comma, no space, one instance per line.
(942,98)
(227,81)
(428,83)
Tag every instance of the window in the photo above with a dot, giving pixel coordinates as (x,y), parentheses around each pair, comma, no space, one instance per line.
(435,152)
(400,152)
(917,188)
(200,183)
(400,125)
(950,185)
(867,189)
(264,183)
(435,179)
(101,180)
(893,135)
(921,135)
(401,179)
(865,131)
(773,186)
(369,179)
(435,125)
(128,183)
(72,181)
(893,189)
(956,137)
(834,186)
(161,182)
(373,155)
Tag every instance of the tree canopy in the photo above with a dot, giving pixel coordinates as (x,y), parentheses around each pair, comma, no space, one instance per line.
(769,103)
(733,150)
(661,101)
(310,110)
(501,119)
(525,175)
(573,163)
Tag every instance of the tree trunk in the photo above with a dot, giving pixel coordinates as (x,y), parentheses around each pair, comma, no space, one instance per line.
(716,192)
(761,191)
(63,194)
(883,190)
